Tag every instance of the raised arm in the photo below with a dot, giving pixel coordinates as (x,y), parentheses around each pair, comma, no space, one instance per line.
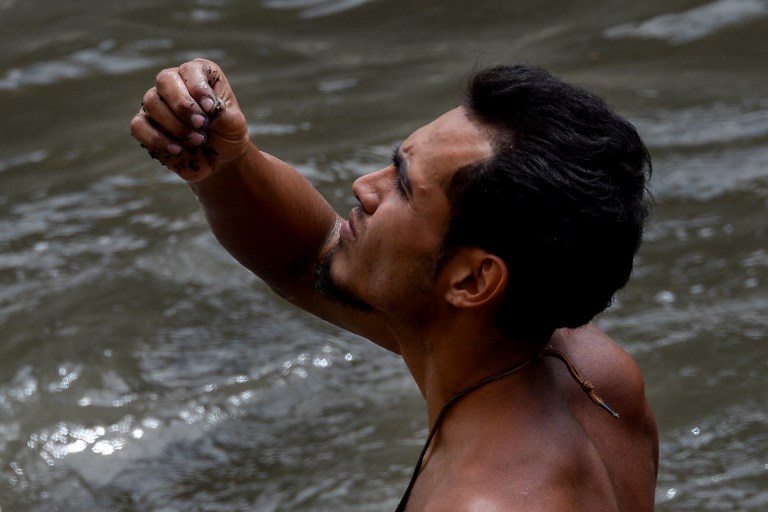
(268,216)
(263,211)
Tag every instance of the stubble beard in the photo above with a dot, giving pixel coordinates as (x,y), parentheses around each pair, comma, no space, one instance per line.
(323,282)
(420,307)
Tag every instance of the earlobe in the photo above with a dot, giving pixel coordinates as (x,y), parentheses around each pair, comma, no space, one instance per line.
(476,278)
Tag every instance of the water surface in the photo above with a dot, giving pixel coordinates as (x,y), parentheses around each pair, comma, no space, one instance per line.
(142,369)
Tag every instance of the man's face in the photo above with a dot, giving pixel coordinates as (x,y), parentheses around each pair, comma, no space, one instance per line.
(390,245)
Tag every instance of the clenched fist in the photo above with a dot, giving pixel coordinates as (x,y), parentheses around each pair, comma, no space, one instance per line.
(191,122)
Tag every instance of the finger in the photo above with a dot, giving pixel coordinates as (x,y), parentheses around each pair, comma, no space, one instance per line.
(209,85)
(174,91)
(162,115)
(183,161)
(206,83)
(152,137)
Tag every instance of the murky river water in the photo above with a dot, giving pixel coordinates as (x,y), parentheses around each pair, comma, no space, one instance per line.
(142,369)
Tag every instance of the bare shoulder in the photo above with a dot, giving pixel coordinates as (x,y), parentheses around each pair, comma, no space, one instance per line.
(614,373)
(549,448)
(627,446)
(530,474)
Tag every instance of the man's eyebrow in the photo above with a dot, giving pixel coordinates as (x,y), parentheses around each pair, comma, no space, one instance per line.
(402,168)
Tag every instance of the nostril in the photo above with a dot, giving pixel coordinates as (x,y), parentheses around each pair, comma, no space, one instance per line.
(366,201)
(359,201)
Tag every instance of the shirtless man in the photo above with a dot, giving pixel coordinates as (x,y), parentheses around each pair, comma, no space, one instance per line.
(488,244)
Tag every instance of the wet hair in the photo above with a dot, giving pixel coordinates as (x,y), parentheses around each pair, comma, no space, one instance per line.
(562,200)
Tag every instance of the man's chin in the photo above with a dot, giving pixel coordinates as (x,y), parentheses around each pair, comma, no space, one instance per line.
(324,282)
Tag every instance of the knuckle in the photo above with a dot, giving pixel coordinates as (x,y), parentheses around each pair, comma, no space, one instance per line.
(165,74)
(150,96)
(183,107)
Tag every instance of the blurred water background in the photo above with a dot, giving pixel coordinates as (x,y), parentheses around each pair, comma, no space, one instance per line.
(142,369)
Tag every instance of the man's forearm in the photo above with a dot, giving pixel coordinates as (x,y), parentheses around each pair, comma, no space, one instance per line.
(262,210)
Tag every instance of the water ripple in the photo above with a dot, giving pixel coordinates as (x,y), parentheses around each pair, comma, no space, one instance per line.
(701,126)
(694,24)
(703,460)
(105,58)
(316,8)
(32,157)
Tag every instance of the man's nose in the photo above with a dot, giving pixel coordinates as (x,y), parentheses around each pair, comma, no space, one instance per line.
(367,190)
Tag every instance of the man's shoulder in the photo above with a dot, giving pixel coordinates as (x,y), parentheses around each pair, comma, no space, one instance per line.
(532,464)
(601,361)
(618,380)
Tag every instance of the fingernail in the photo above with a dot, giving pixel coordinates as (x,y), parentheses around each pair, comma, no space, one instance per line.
(207,104)
(198,121)
(174,148)
(196,138)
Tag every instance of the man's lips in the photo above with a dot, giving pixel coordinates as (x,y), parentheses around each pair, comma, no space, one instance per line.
(349,226)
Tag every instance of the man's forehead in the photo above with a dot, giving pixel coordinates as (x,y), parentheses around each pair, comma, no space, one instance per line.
(453,140)
(450,123)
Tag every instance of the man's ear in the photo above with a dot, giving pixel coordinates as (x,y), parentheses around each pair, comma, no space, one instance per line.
(475,278)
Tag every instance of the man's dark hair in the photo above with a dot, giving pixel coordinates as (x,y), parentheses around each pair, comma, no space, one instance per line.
(562,200)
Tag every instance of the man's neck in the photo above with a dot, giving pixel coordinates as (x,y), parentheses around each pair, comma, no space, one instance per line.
(449,358)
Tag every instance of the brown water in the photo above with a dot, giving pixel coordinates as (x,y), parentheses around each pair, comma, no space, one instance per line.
(142,369)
